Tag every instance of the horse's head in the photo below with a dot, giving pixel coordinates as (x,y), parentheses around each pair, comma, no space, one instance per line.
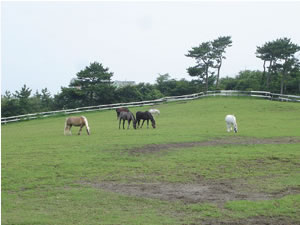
(235,128)
(153,124)
(152,119)
(134,123)
(88,130)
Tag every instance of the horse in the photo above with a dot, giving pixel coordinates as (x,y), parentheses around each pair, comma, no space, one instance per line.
(76,121)
(145,116)
(127,116)
(231,122)
(122,109)
(154,112)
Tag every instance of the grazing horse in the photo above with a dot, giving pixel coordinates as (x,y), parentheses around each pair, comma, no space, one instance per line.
(127,116)
(231,122)
(145,116)
(154,112)
(76,121)
(122,109)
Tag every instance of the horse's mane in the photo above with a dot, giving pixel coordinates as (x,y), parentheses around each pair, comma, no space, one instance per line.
(151,117)
(132,116)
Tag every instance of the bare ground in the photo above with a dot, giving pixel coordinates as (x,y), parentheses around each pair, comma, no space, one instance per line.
(153,148)
(208,191)
(204,191)
(216,192)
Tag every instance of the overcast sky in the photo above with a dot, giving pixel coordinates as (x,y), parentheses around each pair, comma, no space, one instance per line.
(45,44)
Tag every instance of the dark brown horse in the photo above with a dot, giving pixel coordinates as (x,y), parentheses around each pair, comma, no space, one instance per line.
(144,116)
(122,109)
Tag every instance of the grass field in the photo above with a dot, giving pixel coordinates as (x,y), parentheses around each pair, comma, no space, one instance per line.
(188,170)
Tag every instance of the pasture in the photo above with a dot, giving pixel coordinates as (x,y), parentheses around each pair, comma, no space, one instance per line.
(188,170)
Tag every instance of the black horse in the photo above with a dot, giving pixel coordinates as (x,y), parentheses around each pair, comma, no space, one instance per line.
(145,116)
(122,109)
(127,116)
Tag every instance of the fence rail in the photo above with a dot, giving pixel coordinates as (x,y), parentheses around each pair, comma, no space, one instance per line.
(257,94)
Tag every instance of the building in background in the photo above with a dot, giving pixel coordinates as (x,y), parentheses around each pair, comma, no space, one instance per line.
(119,84)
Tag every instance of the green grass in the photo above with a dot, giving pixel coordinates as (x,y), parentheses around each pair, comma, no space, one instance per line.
(42,168)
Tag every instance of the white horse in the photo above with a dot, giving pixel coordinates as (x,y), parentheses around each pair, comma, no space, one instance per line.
(76,121)
(154,112)
(231,123)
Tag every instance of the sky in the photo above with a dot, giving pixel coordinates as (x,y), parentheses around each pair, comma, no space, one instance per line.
(45,44)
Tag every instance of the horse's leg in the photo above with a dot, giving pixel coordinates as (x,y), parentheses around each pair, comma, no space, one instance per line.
(79,132)
(119,123)
(143,123)
(147,123)
(67,129)
(228,127)
(128,124)
(123,124)
(70,132)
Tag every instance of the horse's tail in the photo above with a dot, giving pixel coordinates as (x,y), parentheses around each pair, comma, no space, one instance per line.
(66,126)
(86,122)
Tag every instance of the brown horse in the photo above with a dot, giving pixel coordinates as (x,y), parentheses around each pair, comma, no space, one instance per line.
(76,121)
(122,109)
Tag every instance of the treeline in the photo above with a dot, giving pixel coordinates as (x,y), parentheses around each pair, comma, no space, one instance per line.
(93,85)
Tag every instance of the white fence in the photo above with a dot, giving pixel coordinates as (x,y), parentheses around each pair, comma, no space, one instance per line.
(257,94)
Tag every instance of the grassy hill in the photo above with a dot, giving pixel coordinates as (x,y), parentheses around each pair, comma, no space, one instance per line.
(188,170)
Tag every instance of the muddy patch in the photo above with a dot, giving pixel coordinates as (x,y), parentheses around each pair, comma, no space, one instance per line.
(257,220)
(153,148)
(217,192)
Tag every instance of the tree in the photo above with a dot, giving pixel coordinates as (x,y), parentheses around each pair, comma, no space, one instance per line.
(246,80)
(9,105)
(91,86)
(148,91)
(219,45)
(163,84)
(281,57)
(266,53)
(204,57)
(23,97)
(69,98)
(46,99)
(293,84)
(128,94)
(162,78)
(287,61)
(91,81)
(209,56)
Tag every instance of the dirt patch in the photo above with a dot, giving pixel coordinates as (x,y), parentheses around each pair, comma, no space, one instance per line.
(153,148)
(217,192)
(212,191)
(258,220)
